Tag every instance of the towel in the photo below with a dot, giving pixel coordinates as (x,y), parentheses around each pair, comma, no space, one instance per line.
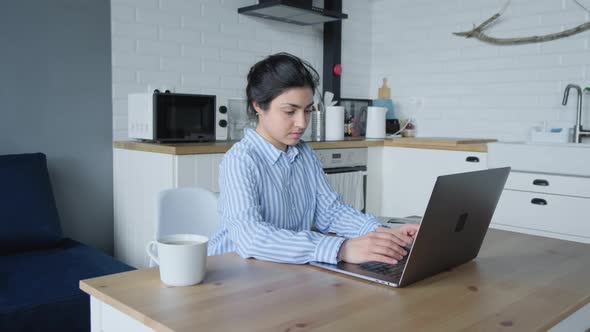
(350,186)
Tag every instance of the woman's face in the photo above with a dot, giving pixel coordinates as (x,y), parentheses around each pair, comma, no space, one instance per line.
(287,117)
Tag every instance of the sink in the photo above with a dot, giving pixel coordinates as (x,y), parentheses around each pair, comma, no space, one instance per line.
(558,158)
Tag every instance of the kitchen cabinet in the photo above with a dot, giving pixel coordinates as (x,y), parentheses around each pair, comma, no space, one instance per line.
(140,175)
(400,180)
(545,204)
(138,178)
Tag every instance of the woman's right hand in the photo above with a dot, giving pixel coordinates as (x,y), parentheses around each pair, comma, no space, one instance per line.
(376,246)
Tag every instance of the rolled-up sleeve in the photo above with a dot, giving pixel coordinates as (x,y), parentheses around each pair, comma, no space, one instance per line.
(333,215)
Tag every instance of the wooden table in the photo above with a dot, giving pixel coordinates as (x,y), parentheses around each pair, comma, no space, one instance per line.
(518,282)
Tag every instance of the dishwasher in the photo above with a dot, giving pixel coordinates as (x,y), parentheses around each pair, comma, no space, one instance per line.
(346,170)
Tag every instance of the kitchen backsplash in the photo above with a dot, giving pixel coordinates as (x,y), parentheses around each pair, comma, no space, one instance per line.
(453,86)
(463,87)
(199,46)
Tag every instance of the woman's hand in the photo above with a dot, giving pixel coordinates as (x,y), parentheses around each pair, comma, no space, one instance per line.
(383,245)
(407,232)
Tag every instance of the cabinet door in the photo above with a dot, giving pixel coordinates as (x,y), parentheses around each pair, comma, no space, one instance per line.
(199,170)
(409,175)
(557,216)
(138,178)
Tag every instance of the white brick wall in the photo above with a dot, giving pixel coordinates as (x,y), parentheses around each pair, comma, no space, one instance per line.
(195,46)
(357,50)
(470,88)
(453,86)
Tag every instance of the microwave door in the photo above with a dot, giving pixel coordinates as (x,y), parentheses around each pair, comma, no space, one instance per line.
(198,120)
(188,118)
(165,118)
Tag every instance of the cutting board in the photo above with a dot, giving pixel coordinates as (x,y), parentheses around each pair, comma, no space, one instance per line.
(440,141)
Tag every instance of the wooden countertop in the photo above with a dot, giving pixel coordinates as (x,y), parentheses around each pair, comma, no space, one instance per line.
(445,143)
(518,281)
(441,143)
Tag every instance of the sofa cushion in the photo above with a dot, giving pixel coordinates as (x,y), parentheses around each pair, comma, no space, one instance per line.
(39,290)
(28,215)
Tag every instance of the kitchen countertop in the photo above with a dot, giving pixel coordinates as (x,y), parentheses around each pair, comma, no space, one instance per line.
(441,143)
(444,143)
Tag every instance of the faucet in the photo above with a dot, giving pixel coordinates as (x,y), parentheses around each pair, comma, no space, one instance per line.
(578,130)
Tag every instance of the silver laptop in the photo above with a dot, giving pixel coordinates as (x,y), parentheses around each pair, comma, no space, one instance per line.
(452,230)
(396,220)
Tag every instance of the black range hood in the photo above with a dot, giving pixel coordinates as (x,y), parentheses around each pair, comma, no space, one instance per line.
(300,12)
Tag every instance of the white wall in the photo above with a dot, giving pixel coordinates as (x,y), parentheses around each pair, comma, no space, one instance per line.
(452,85)
(472,89)
(195,46)
(357,50)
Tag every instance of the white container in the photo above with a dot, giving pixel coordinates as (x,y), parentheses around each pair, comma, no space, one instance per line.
(318,124)
(334,123)
(564,136)
(375,122)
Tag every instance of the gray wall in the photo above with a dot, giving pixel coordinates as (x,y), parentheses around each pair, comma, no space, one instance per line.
(55,97)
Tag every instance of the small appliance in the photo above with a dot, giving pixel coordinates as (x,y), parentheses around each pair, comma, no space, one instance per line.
(172,117)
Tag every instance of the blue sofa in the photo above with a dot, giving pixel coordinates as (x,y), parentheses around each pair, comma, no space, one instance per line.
(39,269)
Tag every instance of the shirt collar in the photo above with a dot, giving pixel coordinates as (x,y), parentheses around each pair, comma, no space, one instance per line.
(269,151)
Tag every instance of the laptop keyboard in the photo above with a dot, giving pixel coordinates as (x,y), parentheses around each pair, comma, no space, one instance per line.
(386,269)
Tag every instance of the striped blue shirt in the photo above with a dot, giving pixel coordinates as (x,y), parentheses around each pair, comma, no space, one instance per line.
(270,199)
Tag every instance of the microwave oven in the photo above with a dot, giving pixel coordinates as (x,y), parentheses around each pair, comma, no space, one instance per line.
(175,117)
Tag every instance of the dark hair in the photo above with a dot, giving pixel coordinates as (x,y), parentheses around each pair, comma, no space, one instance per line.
(273,75)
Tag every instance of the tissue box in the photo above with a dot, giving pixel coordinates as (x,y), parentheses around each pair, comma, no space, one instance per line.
(563,136)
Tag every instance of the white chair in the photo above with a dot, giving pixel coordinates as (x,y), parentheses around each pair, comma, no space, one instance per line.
(186,210)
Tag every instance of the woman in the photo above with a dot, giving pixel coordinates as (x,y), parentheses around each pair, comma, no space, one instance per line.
(273,188)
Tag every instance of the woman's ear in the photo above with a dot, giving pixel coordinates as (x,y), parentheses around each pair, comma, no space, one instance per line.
(257,108)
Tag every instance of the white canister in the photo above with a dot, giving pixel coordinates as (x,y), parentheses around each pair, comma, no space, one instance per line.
(334,123)
(375,122)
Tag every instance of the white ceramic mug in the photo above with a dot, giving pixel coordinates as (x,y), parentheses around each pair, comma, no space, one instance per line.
(182,258)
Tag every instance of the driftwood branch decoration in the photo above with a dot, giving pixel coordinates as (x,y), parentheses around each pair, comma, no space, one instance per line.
(477,32)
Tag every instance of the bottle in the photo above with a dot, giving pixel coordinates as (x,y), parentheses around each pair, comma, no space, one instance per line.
(384,91)
(346,125)
(384,100)
(349,126)
(356,127)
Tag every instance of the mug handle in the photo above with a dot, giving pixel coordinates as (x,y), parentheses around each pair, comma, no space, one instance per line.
(149,249)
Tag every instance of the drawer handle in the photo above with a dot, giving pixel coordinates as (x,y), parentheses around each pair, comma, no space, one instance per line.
(541,182)
(539,201)
(472,159)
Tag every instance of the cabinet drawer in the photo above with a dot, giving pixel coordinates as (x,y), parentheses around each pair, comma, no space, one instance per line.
(552,213)
(550,184)
(200,170)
